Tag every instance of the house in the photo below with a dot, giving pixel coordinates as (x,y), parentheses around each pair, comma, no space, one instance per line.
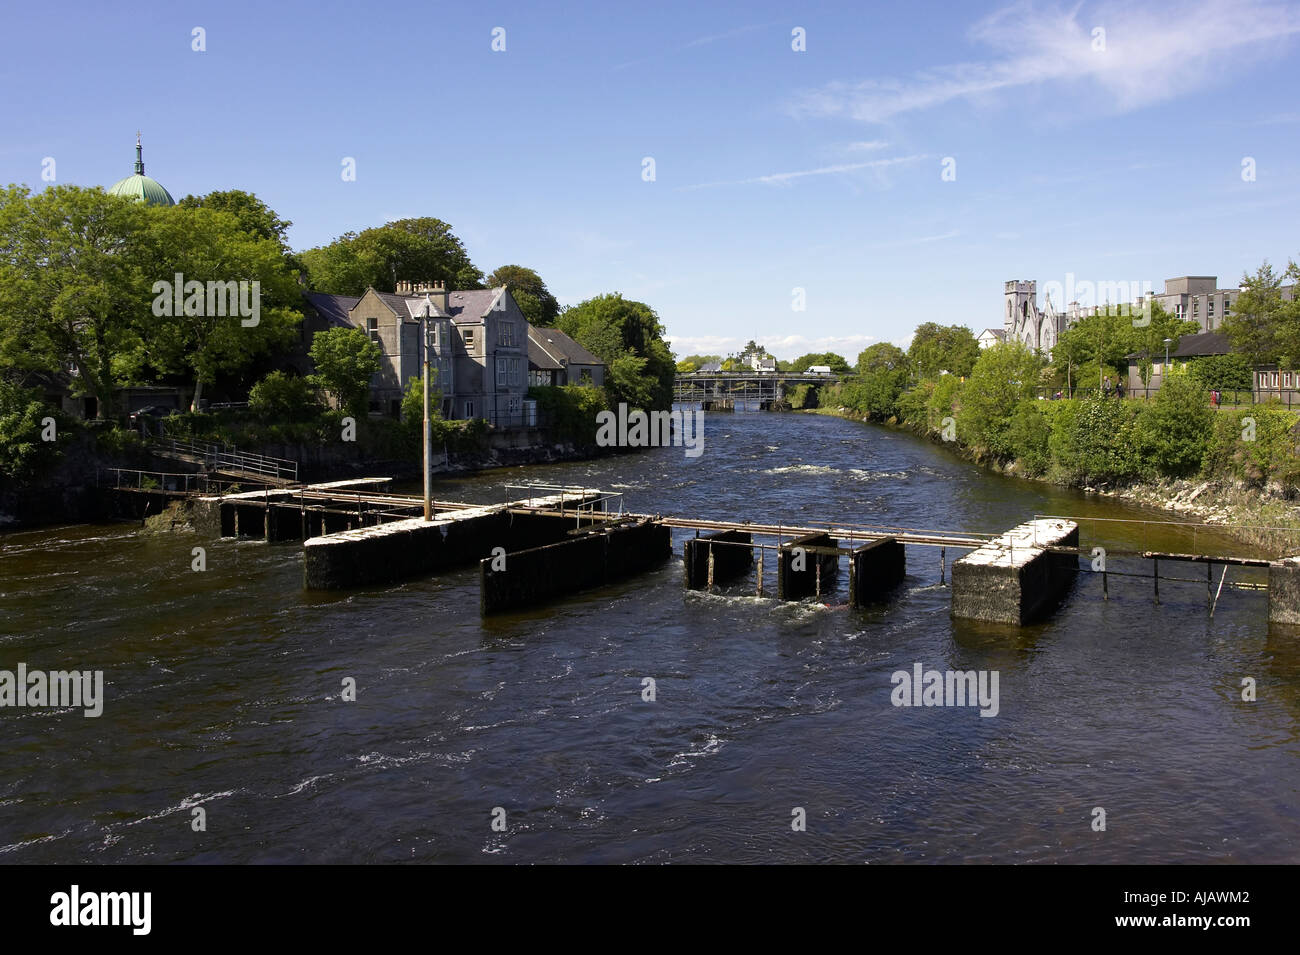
(990,337)
(1189,347)
(1272,382)
(761,363)
(556,359)
(709,368)
(478,348)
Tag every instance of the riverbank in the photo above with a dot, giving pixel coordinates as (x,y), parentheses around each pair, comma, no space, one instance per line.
(1266,518)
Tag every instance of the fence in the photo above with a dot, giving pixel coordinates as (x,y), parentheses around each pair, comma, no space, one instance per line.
(224,458)
(1234,398)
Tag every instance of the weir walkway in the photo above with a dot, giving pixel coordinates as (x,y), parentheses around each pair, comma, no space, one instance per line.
(543,542)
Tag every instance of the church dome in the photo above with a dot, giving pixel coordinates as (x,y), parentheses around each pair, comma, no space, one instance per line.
(140,187)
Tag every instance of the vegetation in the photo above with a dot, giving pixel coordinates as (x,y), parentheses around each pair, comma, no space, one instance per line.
(628,337)
(346,359)
(529,292)
(423,249)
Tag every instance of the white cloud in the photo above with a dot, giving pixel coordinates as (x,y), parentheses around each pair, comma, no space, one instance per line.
(782,178)
(867,146)
(1152,53)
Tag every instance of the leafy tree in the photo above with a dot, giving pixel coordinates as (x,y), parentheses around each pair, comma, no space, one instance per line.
(1029,435)
(612,327)
(836,363)
(423,249)
(694,362)
(936,348)
(1093,440)
(254,216)
(1004,376)
(346,359)
(207,336)
(24,454)
(1229,372)
(883,371)
(1252,325)
(1173,428)
(283,397)
(529,291)
(626,381)
(71,284)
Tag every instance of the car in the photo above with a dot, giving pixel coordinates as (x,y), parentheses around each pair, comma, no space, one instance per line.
(140,416)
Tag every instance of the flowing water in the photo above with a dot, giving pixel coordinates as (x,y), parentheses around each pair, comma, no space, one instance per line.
(223,692)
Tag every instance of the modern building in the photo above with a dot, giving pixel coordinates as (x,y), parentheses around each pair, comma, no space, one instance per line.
(140,187)
(1189,347)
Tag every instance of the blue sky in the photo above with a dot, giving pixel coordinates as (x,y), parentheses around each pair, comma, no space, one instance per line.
(775,169)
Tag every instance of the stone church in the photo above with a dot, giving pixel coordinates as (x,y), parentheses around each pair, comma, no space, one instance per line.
(1024,321)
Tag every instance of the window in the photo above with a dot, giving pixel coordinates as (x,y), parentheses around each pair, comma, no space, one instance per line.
(468,335)
(509,372)
(372,329)
(469,409)
(1227,305)
(1210,308)
(1196,309)
(506,334)
(513,406)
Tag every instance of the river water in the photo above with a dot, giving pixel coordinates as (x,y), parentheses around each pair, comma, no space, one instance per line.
(223,692)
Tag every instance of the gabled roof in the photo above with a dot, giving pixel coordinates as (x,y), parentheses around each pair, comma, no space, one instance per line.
(1000,333)
(560,347)
(1195,346)
(540,359)
(333,308)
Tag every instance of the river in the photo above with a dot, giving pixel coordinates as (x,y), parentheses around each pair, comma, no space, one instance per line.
(224,692)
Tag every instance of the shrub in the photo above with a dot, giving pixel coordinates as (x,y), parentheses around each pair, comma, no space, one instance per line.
(1173,428)
(1092,440)
(283,397)
(1029,435)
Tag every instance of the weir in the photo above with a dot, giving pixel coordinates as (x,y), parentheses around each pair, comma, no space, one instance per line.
(1017,578)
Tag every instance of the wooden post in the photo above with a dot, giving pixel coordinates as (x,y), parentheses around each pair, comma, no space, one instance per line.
(943,560)
(1209,584)
(1156,577)
(761,550)
(709,584)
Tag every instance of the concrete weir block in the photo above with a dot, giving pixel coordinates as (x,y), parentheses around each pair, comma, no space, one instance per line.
(818,570)
(1284,591)
(730,557)
(875,569)
(586,559)
(413,547)
(1015,579)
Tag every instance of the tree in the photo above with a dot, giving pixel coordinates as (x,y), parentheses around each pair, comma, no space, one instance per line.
(883,371)
(71,284)
(612,327)
(283,397)
(255,308)
(255,216)
(423,249)
(835,362)
(937,348)
(24,453)
(1174,428)
(529,291)
(346,359)
(1251,326)
(1004,376)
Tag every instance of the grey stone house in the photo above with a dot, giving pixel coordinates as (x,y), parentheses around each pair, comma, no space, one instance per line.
(556,359)
(478,346)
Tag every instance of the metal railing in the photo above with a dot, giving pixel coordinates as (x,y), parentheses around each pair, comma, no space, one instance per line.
(177,482)
(225,458)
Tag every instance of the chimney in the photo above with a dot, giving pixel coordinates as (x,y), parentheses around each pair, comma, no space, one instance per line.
(403,287)
(437,292)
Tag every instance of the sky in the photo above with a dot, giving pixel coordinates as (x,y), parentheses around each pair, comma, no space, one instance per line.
(896,169)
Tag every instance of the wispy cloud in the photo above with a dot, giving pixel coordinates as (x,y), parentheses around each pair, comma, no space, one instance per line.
(698,41)
(919,240)
(867,146)
(782,178)
(1151,53)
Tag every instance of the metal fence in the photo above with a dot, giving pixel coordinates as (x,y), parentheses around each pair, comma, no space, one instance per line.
(225,458)
(1226,399)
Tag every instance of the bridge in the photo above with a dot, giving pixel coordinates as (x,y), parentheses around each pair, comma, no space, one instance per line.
(721,390)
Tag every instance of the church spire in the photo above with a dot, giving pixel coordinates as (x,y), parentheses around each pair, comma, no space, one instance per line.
(139,155)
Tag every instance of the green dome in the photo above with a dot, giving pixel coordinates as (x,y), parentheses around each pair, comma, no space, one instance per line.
(140,187)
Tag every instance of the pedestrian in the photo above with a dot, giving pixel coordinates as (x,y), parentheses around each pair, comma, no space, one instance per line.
(1119,387)
(1105,387)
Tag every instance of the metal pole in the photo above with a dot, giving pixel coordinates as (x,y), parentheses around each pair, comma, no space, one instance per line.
(428,434)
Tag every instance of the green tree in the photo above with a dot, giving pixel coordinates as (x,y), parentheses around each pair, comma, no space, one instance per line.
(612,327)
(346,359)
(1252,325)
(254,216)
(255,309)
(1004,376)
(529,291)
(836,363)
(1173,428)
(937,348)
(24,454)
(72,284)
(883,372)
(423,249)
(283,397)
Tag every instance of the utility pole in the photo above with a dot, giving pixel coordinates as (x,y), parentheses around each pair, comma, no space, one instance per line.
(428,435)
